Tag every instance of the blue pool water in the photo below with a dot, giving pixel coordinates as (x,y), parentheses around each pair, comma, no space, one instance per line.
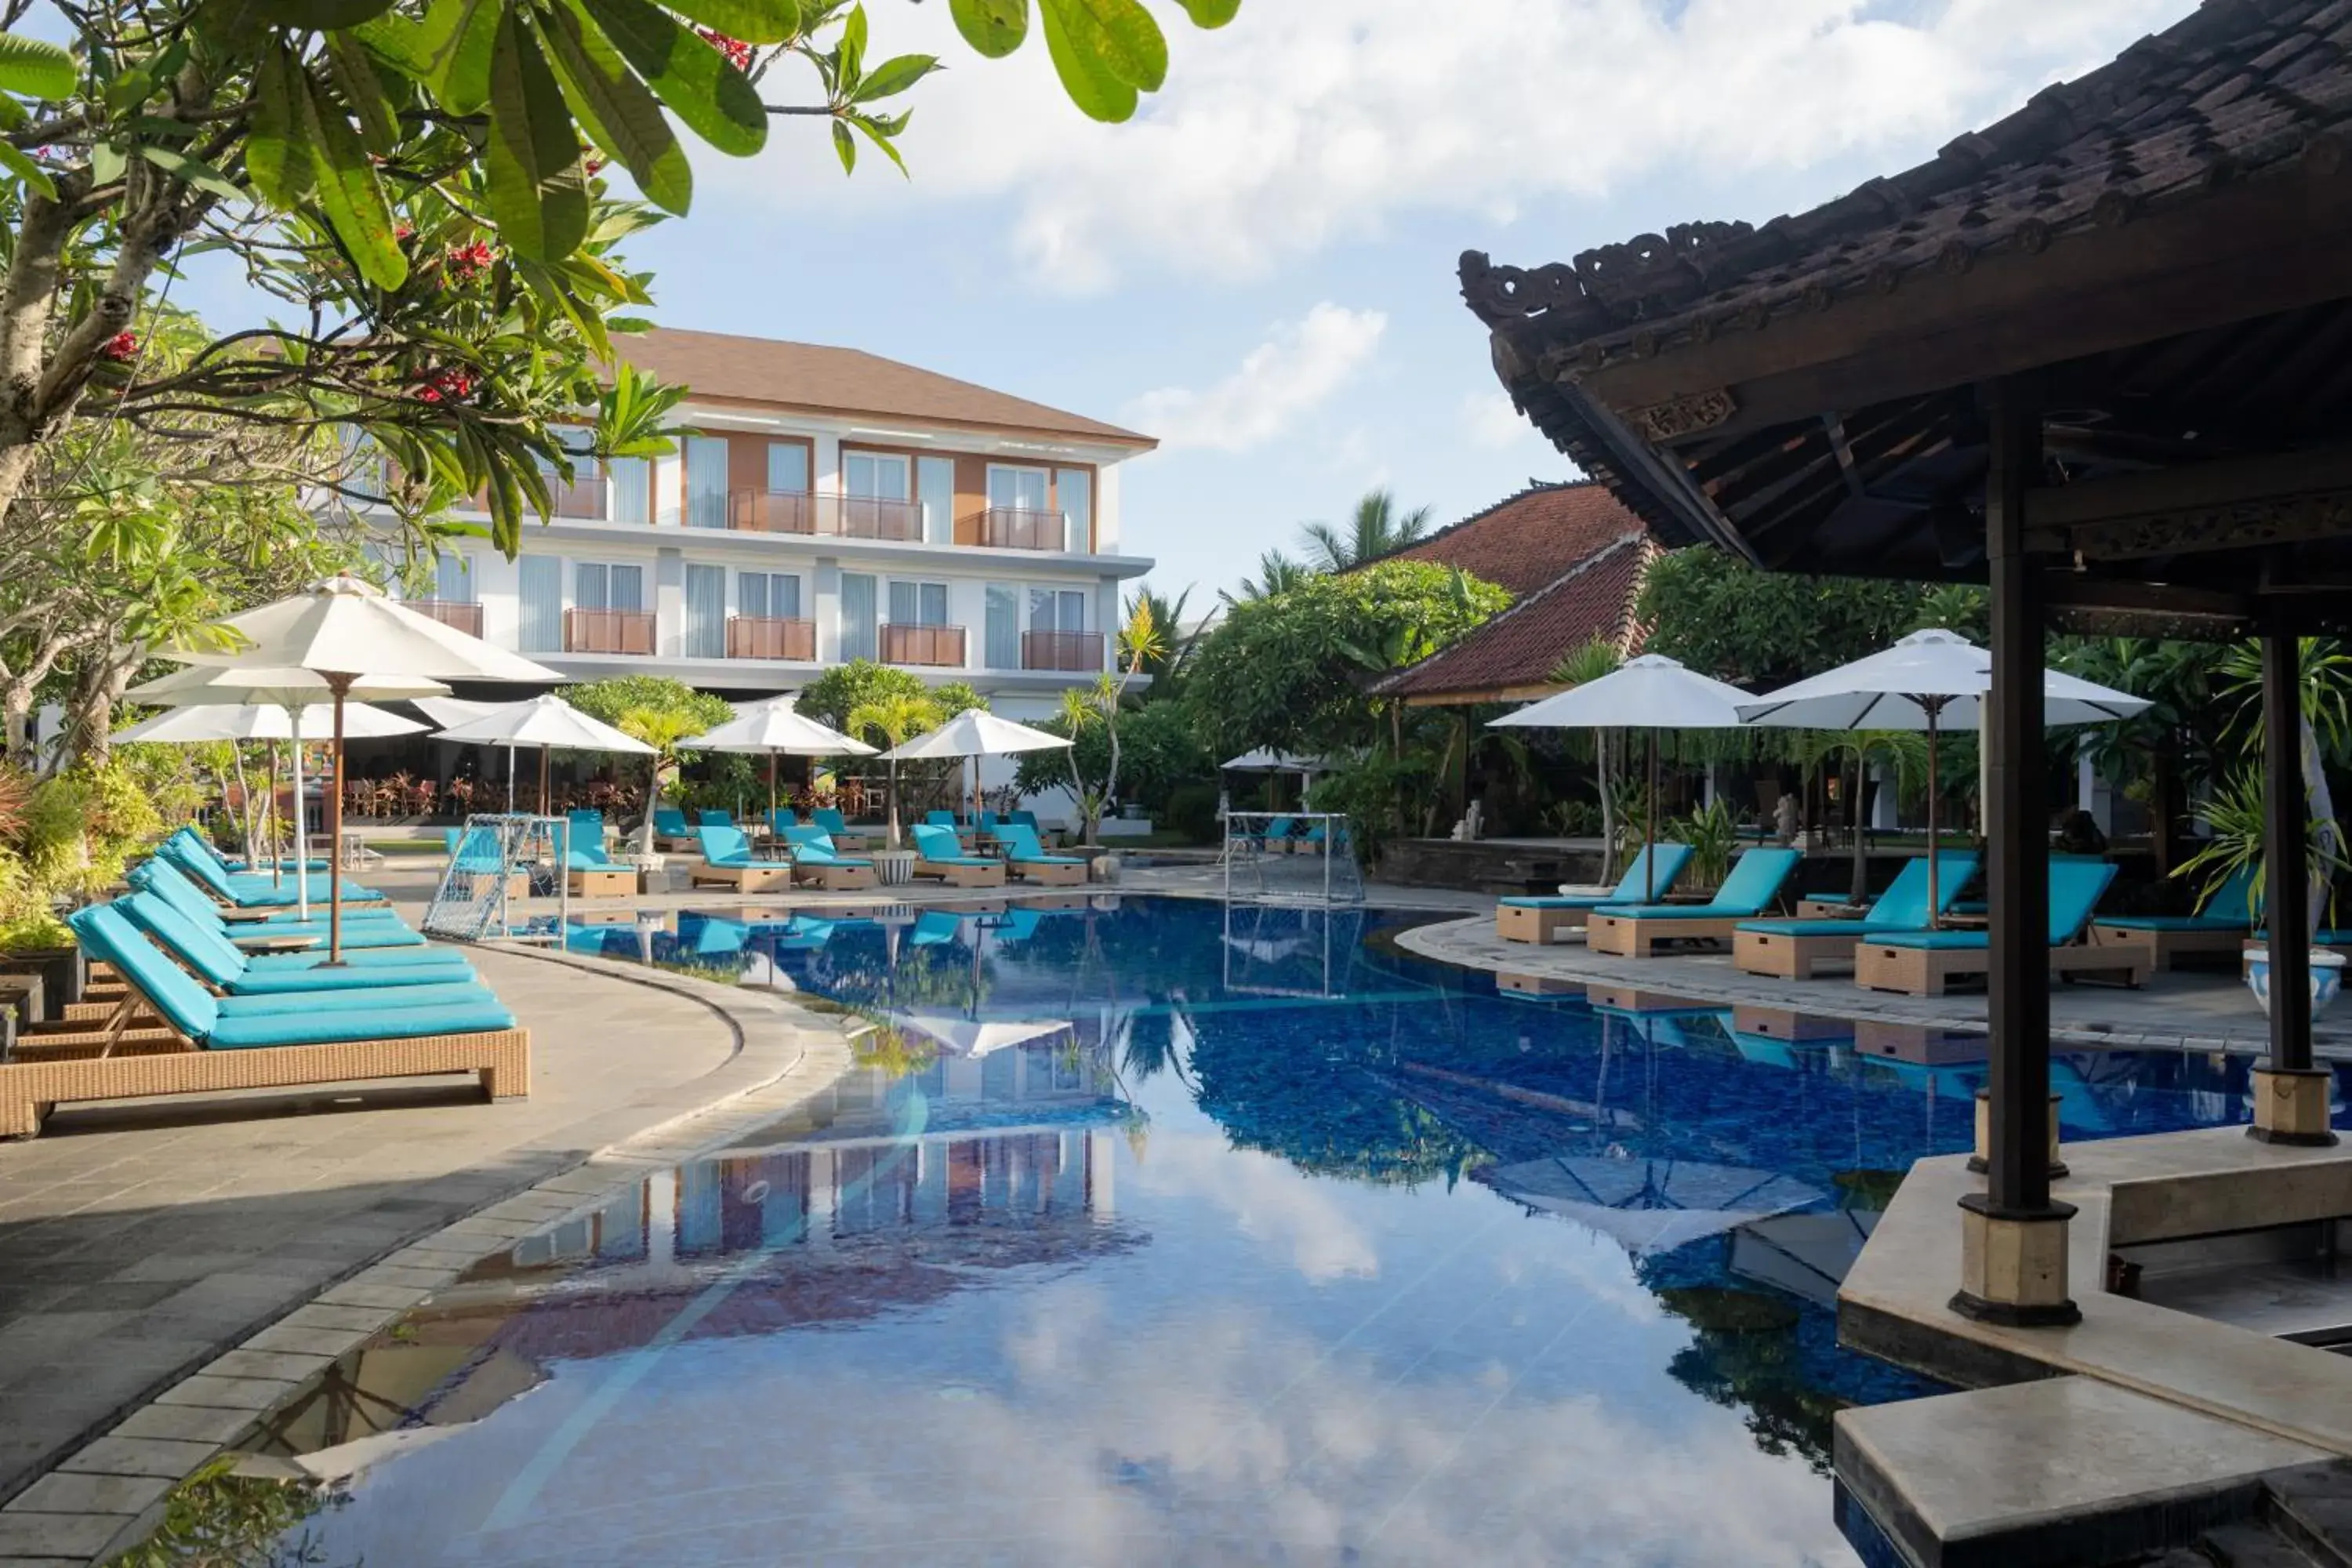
(1156,1232)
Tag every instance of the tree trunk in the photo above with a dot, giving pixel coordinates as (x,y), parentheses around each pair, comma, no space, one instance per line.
(1608,807)
(2160,810)
(1860,889)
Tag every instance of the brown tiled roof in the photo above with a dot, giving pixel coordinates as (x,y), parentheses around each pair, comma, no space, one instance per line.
(1513,655)
(821,379)
(2238,90)
(1529,541)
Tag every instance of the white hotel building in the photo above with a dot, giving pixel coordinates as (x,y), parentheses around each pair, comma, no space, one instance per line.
(831,505)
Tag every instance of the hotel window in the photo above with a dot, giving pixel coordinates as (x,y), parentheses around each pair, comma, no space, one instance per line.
(788,467)
(597,587)
(1022,490)
(775,595)
(935,488)
(1002,647)
(1056,610)
(1075,489)
(453,577)
(878,476)
(706,481)
(705,612)
(919,603)
(633,480)
(540,598)
(858,638)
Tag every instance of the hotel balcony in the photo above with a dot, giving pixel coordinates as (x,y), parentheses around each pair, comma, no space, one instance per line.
(770,636)
(922,644)
(1077,651)
(583,498)
(840,517)
(608,631)
(1019,528)
(452,613)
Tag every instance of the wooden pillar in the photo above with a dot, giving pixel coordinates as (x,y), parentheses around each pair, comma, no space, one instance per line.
(2289,1094)
(2013,1238)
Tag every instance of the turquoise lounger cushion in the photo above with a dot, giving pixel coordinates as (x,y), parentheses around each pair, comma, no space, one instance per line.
(2076,886)
(1022,847)
(728,846)
(449,969)
(1811,928)
(1671,858)
(2221,924)
(220,964)
(669,822)
(1935,940)
(938,846)
(315,1029)
(1752,884)
(357,996)
(191,900)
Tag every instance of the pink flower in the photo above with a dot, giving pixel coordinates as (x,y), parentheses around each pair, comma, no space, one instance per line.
(468,262)
(453,383)
(737,52)
(122,348)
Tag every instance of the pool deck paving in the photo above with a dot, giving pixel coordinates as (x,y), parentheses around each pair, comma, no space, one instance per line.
(171,1268)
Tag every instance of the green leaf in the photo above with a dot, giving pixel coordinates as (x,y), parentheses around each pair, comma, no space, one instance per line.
(362,93)
(846,146)
(350,195)
(321,15)
(24,168)
(618,112)
(893,77)
(993,28)
(1210,13)
(404,43)
(752,21)
(12,113)
(879,132)
(717,101)
(37,68)
(276,154)
(459,36)
(194,172)
(1121,35)
(107,163)
(852,52)
(538,191)
(1098,93)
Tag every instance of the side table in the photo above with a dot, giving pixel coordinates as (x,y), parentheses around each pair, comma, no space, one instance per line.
(893,868)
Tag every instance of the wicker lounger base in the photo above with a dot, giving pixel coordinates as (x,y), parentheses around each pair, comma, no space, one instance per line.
(1628,938)
(836,878)
(603,884)
(990,876)
(1928,971)
(1522,922)
(2164,949)
(1790,957)
(758,879)
(1051,875)
(500,1058)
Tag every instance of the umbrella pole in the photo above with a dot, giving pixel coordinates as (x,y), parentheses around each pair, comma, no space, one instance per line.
(301,846)
(771,792)
(269,824)
(1935,899)
(340,685)
(1650,828)
(543,797)
(511,795)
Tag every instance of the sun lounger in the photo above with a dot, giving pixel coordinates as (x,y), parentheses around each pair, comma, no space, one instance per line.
(817,861)
(1923,964)
(1026,859)
(783,820)
(587,872)
(1795,950)
(363,928)
(232,1043)
(714,818)
(837,828)
(727,862)
(938,854)
(476,857)
(1541,917)
(257,892)
(221,965)
(671,835)
(2220,925)
(1634,930)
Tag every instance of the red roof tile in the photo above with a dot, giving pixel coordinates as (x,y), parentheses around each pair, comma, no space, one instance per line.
(1516,650)
(1533,538)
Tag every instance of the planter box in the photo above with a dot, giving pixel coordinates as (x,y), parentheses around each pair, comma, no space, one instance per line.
(59,971)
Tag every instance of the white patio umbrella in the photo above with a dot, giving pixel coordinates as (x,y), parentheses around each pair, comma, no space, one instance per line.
(340,628)
(1651,693)
(1264,760)
(298,692)
(547,723)
(1930,680)
(775,728)
(975,1037)
(974,732)
(1650,1205)
(264,722)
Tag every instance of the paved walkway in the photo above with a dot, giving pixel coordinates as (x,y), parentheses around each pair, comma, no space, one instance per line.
(2186,1011)
(139,1239)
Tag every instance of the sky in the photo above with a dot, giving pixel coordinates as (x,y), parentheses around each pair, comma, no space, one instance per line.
(1259,269)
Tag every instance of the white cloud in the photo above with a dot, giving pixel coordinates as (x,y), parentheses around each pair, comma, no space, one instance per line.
(1294,371)
(1305,123)
(1491,422)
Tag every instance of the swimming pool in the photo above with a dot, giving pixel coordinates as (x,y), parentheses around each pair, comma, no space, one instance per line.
(1156,1231)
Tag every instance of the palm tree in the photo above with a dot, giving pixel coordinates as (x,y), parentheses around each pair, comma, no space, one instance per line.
(1904,750)
(1276,573)
(894,718)
(1376,530)
(662,729)
(1165,660)
(1590,663)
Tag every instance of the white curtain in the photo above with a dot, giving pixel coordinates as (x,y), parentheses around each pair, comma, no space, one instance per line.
(1002,647)
(540,594)
(705,612)
(632,490)
(706,481)
(857,635)
(1076,489)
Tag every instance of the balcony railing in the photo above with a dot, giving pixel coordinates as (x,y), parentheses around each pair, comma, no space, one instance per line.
(844,517)
(608,631)
(922,644)
(581,497)
(1062,651)
(770,636)
(463,616)
(1019,528)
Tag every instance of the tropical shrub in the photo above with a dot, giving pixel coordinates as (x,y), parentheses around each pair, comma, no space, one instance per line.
(1190,810)
(1371,791)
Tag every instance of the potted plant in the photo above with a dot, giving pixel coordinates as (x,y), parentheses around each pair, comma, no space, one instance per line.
(2234,820)
(1713,834)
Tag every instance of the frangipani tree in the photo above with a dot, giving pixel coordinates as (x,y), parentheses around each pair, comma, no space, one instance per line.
(891,718)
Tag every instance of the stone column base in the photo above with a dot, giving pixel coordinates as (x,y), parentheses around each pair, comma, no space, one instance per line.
(2013,1265)
(1981,1161)
(2290,1106)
